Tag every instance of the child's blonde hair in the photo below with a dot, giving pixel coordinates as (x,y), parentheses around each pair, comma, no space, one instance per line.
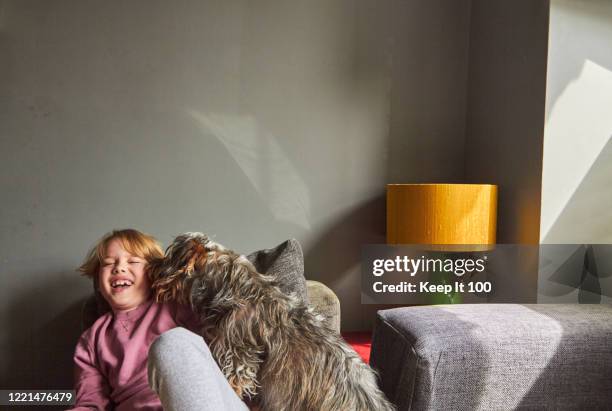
(133,241)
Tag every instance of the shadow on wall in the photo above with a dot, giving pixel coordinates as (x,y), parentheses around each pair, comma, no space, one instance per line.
(338,247)
(575,273)
(591,27)
(586,218)
(41,356)
(578,127)
(335,255)
(587,215)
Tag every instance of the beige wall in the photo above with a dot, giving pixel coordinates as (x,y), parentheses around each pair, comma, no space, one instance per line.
(577,170)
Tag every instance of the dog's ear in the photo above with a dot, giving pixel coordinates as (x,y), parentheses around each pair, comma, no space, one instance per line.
(186,255)
(186,250)
(239,328)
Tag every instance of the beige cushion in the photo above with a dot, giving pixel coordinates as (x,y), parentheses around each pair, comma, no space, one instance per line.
(324,302)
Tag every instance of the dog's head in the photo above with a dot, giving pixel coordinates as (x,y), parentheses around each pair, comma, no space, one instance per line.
(196,269)
(185,257)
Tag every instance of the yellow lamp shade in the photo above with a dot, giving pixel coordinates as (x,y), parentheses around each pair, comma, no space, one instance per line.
(441,214)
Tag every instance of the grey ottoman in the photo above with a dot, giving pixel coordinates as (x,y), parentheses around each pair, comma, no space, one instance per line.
(495,356)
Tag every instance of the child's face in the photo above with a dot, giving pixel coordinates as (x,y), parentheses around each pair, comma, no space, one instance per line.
(123,278)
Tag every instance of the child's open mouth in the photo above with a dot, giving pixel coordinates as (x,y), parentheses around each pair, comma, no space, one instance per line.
(121,285)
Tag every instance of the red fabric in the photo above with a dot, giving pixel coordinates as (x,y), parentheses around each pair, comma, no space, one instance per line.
(361,341)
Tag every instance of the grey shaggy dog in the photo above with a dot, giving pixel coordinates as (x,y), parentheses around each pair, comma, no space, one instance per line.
(270,346)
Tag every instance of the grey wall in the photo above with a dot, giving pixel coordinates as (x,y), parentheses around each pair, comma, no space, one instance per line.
(505,115)
(428,98)
(251,121)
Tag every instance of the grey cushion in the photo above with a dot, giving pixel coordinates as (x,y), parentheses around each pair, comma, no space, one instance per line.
(286,263)
(495,356)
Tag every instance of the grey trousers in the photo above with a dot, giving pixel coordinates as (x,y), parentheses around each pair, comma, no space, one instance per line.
(185,376)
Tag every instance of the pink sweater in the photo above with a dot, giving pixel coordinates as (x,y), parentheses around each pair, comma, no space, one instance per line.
(111,356)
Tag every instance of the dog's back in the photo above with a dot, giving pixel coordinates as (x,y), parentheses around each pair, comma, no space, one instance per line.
(310,367)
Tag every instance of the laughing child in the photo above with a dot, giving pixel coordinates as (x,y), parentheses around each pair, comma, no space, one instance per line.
(136,356)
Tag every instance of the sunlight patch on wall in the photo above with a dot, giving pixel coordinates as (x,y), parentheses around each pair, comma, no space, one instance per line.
(579,126)
(264,162)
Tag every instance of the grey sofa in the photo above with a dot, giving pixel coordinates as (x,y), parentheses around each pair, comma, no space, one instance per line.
(495,357)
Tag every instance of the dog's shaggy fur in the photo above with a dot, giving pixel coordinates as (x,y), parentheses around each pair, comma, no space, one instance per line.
(269,345)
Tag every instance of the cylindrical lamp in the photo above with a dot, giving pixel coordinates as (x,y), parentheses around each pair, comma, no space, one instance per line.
(454,214)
